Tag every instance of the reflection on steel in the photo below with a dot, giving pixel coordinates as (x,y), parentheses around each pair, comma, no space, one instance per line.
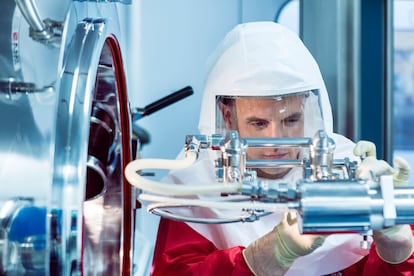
(65,208)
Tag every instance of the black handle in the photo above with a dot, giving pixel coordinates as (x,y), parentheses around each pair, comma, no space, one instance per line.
(167,100)
(138,113)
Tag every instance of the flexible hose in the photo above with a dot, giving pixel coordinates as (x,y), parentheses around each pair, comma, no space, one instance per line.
(133,177)
(218,203)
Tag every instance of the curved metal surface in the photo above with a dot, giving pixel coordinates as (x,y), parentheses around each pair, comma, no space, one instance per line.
(93,118)
(67,208)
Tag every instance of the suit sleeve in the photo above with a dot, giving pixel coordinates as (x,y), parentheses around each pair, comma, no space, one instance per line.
(374,265)
(180,250)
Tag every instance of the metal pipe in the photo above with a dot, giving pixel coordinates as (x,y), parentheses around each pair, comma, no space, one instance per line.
(287,163)
(350,207)
(278,142)
(47,31)
(30,12)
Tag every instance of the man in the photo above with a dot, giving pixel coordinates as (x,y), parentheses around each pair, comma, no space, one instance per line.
(267,116)
(263,82)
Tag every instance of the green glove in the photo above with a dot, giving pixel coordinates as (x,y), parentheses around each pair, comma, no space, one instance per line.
(394,244)
(371,166)
(275,252)
(364,149)
(402,175)
(291,243)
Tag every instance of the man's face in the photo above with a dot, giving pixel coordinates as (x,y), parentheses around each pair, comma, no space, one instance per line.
(265,117)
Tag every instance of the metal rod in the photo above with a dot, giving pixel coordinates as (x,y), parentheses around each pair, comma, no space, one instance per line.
(278,142)
(286,163)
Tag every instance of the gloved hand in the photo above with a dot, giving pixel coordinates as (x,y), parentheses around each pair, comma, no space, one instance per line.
(275,252)
(394,244)
(403,173)
(372,167)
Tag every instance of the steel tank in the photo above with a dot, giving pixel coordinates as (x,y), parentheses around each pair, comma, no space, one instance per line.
(65,207)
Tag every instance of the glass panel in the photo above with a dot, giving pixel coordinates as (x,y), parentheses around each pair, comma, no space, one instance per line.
(403,83)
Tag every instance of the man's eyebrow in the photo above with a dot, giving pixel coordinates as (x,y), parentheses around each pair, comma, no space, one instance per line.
(290,116)
(294,115)
(255,118)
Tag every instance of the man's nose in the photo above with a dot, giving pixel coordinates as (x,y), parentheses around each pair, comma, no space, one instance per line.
(274,130)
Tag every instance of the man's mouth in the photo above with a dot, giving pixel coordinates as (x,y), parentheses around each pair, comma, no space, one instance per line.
(275,156)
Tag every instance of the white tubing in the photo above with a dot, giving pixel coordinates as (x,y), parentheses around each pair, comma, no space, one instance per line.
(218,203)
(132,169)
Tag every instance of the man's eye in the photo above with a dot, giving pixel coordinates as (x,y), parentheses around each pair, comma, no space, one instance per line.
(291,120)
(259,124)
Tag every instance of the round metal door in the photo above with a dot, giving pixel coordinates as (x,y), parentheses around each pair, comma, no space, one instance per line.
(65,207)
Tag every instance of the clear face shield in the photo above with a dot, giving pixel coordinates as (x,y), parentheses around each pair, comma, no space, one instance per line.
(291,115)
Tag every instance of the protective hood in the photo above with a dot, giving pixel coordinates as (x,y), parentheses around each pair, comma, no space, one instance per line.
(261,59)
(264,59)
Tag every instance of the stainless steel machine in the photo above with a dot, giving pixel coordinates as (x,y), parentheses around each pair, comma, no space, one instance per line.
(329,197)
(65,207)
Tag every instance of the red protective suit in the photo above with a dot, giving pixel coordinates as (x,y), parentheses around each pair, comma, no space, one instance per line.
(182,251)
